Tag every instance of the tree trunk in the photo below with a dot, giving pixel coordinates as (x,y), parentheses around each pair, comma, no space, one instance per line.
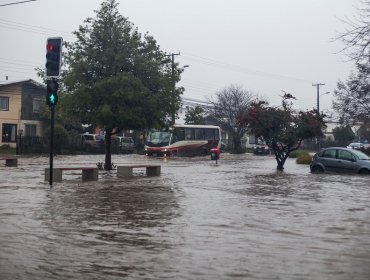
(108,153)
(280,165)
(280,157)
(237,144)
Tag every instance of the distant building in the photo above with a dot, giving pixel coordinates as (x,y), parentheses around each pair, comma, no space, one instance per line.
(20,107)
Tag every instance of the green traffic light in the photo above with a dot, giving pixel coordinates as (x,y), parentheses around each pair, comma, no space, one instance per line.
(51,92)
(52,99)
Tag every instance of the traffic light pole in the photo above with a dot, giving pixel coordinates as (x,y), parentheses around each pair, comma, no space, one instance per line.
(52,113)
(53,65)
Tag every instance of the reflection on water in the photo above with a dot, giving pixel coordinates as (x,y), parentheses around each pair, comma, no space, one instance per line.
(239,219)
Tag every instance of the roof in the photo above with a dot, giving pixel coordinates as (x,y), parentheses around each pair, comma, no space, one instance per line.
(22,82)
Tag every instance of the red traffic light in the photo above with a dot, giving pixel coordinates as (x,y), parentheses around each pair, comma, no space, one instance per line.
(53,56)
(50,47)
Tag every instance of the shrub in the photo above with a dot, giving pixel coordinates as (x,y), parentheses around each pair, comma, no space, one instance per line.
(298,153)
(6,149)
(60,137)
(304,159)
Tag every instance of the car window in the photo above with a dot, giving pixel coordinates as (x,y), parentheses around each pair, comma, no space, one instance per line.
(361,155)
(345,155)
(329,153)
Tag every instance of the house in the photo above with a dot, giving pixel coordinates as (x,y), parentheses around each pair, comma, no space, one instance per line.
(20,107)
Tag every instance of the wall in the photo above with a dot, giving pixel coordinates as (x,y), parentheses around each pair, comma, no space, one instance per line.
(13,115)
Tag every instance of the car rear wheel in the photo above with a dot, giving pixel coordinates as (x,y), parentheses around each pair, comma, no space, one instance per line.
(317,169)
(364,171)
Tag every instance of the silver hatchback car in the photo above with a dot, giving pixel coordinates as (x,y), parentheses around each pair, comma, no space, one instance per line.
(340,160)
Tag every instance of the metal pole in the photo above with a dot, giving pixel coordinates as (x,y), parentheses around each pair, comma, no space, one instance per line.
(173,90)
(318,108)
(173,113)
(52,112)
(318,99)
(318,95)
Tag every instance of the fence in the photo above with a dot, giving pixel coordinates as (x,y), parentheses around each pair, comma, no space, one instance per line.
(72,145)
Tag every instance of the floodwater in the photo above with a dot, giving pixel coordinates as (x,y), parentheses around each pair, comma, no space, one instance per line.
(238,219)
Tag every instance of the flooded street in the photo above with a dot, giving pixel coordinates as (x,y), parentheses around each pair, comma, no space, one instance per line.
(239,219)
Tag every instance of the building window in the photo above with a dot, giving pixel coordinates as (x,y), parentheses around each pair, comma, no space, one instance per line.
(37,105)
(9,133)
(30,130)
(4,103)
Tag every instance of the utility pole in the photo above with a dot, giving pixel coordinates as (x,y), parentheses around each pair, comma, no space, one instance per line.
(318,95)
(173,110)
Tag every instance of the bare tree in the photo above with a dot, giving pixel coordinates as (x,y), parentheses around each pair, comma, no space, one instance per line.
(356,37)
(229,106)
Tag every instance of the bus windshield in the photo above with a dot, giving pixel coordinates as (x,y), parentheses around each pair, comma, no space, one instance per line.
(158,139)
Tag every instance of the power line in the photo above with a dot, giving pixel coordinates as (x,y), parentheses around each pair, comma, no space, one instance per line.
(32,28)
(238,68)
(15,63)
(15,3)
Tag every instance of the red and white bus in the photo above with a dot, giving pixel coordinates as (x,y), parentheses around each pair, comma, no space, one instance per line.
(183,140)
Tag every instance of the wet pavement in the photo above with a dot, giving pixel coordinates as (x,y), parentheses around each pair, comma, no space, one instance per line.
(239,219)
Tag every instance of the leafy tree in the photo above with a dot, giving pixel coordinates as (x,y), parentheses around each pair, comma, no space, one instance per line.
(60,137)
(353,96)
(227,110)
(116,78)
(343,134)
(62,116)
(195,115)
(282,128)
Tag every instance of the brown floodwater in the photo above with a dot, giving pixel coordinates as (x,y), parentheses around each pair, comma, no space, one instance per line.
(238,219)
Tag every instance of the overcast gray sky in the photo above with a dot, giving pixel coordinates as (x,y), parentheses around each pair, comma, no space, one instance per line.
(265,46)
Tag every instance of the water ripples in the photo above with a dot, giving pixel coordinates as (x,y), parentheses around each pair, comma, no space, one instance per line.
(239,219)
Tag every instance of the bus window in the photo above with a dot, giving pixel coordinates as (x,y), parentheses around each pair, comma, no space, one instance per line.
(212,134)
(189,134)
(178,135)
(158,138)
(199,133)
(217,134)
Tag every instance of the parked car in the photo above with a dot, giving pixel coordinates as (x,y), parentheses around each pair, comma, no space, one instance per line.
(357,146)
(340,160)
(261,149)
(92,142)
(126,144)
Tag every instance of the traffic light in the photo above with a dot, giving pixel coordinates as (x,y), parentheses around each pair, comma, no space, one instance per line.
(51,92)
(53,56)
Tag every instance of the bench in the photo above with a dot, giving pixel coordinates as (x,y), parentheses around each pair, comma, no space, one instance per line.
(10,161)
(127,170)
(88,173)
